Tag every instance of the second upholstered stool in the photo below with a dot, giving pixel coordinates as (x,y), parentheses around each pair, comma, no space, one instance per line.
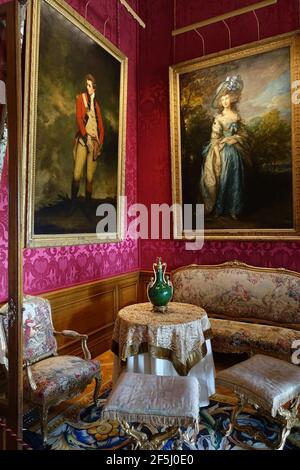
(270,385)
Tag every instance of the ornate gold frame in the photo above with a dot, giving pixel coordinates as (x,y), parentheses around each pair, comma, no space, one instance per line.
(30,126)
(291,40)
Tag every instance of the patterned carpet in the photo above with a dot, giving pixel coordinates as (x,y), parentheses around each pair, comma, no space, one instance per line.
(80,427)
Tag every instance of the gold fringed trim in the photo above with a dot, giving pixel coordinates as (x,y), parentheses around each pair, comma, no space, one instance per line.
(163,353)
(155,420)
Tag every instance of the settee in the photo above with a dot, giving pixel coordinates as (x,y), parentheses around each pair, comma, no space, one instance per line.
(251,309)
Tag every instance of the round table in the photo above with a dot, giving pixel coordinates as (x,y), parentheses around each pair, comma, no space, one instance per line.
(176,342)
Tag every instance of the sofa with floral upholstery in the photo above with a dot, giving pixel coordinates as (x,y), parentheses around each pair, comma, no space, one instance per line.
(251,309)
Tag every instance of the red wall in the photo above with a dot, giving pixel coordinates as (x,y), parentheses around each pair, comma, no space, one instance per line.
(53,268)
(159,50)
(148,177)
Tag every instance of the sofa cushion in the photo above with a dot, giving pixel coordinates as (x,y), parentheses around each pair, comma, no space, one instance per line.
(233,336)
(240,291)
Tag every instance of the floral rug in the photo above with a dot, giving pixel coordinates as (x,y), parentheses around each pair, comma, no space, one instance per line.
(80,428)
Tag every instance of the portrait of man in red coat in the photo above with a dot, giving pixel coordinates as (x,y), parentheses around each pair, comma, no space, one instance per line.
(78,128)
(88,140)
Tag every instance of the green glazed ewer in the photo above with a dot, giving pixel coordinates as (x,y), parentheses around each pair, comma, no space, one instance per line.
(160,288)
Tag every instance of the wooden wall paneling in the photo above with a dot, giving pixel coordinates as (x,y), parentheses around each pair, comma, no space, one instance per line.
(145,278)
(91,309)
(128,294)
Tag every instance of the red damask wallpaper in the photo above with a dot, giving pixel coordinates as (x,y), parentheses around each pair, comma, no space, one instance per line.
(148,164)
(159,50)
(54,268)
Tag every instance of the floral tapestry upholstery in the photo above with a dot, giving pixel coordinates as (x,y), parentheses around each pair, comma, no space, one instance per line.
(238,337)
(251,309)
(39,341)
(235,291)
(59,377)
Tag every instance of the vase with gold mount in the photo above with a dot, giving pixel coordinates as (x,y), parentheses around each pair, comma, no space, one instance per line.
(160,288)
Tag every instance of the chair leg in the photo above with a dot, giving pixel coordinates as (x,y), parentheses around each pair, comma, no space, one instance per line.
(44,423)
(284,434)
(189,436)
(291,418)
(97,387)
(158,440)
(234,414)
(140,440)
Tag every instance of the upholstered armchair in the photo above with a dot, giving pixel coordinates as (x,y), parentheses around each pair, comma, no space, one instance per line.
(49,378)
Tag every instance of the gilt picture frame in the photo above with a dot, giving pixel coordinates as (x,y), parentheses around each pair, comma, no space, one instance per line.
(75,101)
(235,141)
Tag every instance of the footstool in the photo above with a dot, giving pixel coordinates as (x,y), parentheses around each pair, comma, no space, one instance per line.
(162,401)
(266,383)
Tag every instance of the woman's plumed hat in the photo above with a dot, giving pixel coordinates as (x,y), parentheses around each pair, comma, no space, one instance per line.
(233,84)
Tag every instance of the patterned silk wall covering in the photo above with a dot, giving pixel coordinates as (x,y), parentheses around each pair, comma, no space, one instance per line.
(154,181)
(54,268)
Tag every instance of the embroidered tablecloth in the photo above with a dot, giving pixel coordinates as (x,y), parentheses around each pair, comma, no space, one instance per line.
(179,334)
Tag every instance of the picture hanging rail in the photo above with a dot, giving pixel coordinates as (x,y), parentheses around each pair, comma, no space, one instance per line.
(128,8)
(225,16)
(133,13)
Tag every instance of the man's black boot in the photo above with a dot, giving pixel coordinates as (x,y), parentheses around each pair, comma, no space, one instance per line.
(74,192)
